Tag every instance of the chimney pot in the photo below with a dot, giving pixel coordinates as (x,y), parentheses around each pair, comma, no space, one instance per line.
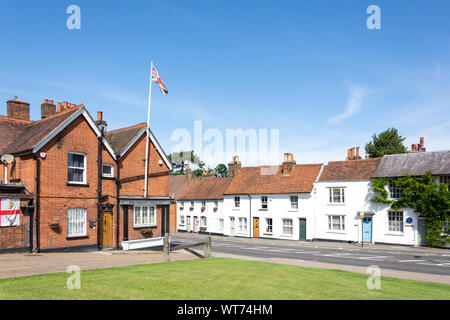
(45,100)
(99,116)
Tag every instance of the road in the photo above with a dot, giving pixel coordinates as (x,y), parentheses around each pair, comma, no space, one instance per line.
(420,261)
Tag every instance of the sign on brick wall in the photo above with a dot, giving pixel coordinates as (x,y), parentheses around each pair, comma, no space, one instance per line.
(9,212)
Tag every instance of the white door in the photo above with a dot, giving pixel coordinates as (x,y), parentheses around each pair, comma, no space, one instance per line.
(232,226)
(189,228)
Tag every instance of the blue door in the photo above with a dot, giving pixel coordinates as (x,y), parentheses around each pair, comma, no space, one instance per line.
(367,229)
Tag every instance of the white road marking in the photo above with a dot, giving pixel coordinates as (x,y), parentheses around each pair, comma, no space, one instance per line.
(306,252)
(411,260)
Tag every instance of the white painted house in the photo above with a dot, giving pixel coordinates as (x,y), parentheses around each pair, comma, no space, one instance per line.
(406,226)
(272,201)
(200,206)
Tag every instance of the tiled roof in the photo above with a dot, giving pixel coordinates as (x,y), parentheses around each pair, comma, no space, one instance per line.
(19,135)
(415,164)
(268,180)
(177,184)
(119,139)
(205,189)
(350,170)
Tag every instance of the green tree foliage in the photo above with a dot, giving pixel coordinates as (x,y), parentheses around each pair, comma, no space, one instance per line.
(221,171)
(430,199)
(387,142)
(179,159)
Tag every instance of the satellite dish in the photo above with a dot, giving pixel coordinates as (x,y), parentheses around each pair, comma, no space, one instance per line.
(7,158)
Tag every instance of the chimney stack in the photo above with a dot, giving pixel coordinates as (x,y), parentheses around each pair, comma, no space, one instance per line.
(18,109)
(234,166)
(288,164)
(100,122)
(188,174)
(47,108)
(419,147)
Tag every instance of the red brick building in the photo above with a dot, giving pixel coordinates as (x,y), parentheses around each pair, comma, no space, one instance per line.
(81,186)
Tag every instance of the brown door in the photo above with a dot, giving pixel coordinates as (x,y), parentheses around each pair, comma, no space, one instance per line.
(106,230)
(255,227)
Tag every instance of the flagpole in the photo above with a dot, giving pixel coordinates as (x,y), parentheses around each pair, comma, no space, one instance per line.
(148,131)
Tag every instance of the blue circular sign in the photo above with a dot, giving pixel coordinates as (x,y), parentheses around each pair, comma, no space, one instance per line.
(409,220)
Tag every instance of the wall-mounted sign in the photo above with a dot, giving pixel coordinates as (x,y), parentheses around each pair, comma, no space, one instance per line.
(409,220)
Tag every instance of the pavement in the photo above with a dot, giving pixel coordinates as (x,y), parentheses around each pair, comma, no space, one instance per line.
(416,263)
(20,265)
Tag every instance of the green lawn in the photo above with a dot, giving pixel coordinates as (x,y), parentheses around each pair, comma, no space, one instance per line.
(217,279)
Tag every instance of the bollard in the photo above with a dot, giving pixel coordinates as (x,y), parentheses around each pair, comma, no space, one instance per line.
(166,248)
(207,248)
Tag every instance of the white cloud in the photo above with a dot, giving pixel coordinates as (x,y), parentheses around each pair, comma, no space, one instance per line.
(356,95)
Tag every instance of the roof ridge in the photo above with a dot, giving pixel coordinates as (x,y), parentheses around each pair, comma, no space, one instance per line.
(125,128)
(356,160)
(15,120)
(59,114)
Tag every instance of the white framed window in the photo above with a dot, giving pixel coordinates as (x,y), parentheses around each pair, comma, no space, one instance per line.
(203,204)
(394,191)
(288,227)
(395,221)
(337,195)
(144,216)
(216,204)
(336,223)
(445,179)
(294,202)
(237,202)
(76,222)
(269,225)
(182,221)
(264,205)
(192,205)
(108,170)
(221,224)
(242,225)
(77,168)
(203,222)
(181,205)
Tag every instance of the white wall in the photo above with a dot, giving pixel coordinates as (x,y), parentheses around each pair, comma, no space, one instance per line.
(279,208)
(358,195)
(212,216)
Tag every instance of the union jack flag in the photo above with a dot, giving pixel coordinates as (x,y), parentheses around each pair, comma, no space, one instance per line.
(157,78)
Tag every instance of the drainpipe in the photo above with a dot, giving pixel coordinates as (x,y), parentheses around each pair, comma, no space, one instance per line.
(99,186)
(30,212)
(250,222)
(38,203)
(118,205)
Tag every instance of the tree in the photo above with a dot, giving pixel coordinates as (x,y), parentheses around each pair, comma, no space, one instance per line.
(178,160)
(387,142)
(430,199)
(221,171)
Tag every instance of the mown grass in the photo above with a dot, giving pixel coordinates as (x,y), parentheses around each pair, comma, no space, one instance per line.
(217,278)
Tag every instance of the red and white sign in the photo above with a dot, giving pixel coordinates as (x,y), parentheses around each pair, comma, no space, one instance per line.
(9,212)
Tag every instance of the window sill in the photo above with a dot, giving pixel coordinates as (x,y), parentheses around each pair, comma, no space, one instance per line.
(336,204)
(337,232)
(293,210)
(108,177)
(263,209)
(270,234)
(77,184)
(145,226)
(398,234)
(236,209)
(77,237)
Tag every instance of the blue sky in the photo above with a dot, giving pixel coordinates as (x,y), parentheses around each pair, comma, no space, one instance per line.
(311,69)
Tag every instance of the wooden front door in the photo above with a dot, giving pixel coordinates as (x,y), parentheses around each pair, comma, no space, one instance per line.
(255,227)
(106,230)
